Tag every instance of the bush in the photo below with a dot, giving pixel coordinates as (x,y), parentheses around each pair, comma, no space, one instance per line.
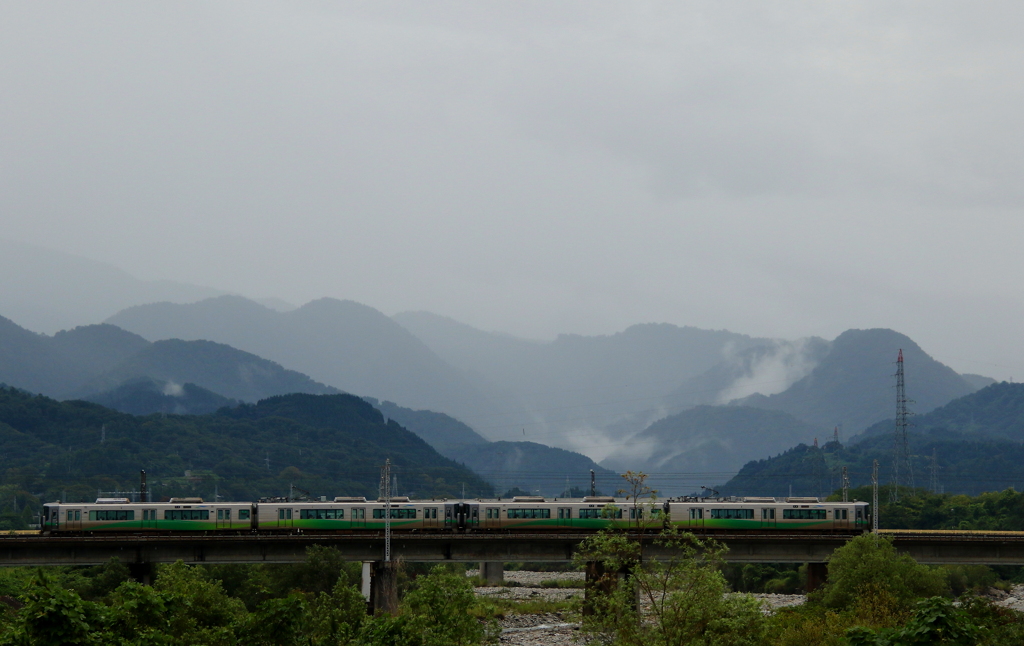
(869,563)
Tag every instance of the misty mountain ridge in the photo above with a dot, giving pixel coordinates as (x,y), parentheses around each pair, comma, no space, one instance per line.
(527,465)
(852,386)
(715,441)
(58,291)
(344,344)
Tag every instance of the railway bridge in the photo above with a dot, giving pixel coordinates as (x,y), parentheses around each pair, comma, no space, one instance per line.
(140,551)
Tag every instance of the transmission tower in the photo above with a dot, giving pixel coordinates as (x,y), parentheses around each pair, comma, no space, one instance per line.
(901,469)
(935,472)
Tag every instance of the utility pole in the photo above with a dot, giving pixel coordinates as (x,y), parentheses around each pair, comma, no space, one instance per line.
(874,498)
(846,486)
(900,448)
(593,484)
(385,493)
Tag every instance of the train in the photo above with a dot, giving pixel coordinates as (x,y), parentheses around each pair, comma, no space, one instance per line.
(520,513)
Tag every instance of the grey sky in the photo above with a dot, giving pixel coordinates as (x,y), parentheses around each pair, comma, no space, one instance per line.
(779,169)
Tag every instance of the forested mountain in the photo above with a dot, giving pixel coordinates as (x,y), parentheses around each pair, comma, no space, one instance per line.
(852,385)
(996,411)
(711,440)
(329,445)
(341,343)
(145,396)
(214,366)
(525,465)
(970,445)
(94,359)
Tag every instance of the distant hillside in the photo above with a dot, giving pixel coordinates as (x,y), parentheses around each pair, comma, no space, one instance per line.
(328,444)
(443,432)
(58,291)
(558,388)
(707,441)
(975,441)
(526,465)
(59,365)
(144,396)
(852,386)
(95,359)
(214,366)
(341,343)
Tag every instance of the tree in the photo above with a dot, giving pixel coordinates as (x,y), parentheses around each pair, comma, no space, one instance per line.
(55,616)
(441,603)
(685,594)
(869,565)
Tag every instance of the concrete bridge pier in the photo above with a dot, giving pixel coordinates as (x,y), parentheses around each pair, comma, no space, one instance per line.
(817,575)
(141,572)
(493,572)
(384,588)
(367,577)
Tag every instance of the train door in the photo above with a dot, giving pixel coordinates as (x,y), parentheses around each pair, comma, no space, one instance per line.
(841,518)
(695,517)
(223,519)
(565,516)
(430,520)
(492,518)
(358,517)
(284,517)
(148,519)
(73,519)
(768,517)
(474,516)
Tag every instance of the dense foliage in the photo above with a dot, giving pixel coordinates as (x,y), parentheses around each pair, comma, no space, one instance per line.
(326,444)
(308,605)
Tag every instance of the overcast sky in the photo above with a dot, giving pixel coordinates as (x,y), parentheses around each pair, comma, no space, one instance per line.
(780,169)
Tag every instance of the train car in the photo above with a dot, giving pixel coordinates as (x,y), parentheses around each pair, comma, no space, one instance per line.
(768,514)
(122,515)
(354,514)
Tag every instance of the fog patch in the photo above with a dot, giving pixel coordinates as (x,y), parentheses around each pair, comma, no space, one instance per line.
(772,369)
(172,389)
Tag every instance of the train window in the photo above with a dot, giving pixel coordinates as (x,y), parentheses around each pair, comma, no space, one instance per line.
(529,513)
(696,514)
(187,514)
(431,512)
(611,512)
(396,513)
(636,513)
(590,513)
(733,514)
(767,514)
(358,514)
(112,514)
(243,514)
(803,514)
(843,511)
(322,514)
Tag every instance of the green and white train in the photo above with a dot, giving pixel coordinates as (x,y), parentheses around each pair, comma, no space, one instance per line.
(522,513)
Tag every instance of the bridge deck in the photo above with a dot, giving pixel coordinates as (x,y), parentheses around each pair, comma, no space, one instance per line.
(1003,548)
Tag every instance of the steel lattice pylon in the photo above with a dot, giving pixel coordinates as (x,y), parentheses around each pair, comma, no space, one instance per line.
(901,468)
